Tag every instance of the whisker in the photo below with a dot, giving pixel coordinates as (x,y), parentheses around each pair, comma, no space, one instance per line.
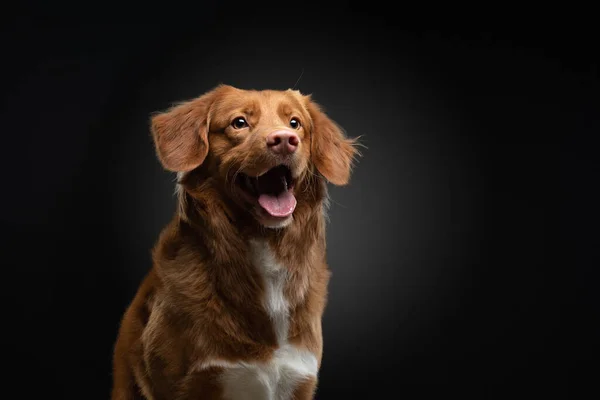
(234,177)
(339,204)
(301,73)
(242,165)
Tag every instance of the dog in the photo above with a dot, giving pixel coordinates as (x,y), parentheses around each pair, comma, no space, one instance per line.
(232,306)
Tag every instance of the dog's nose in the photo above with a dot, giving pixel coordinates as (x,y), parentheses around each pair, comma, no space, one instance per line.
(283,142)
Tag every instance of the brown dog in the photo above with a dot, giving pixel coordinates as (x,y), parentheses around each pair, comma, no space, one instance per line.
(232,307)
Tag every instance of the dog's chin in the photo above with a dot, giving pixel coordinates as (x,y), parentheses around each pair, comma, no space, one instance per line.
(269,197)
(268,221)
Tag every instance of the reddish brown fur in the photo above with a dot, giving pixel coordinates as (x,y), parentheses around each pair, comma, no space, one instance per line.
(202,298)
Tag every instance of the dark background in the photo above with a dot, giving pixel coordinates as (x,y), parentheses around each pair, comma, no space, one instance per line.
(464,252)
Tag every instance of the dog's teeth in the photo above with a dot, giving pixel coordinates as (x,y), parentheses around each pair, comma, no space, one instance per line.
(285,184)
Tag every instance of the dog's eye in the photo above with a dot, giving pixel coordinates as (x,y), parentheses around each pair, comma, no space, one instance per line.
(294,123)
(239,123)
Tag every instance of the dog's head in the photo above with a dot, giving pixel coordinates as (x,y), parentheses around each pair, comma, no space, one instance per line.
(259,146)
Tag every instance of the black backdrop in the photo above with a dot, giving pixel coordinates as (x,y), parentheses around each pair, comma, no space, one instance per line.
(464,252)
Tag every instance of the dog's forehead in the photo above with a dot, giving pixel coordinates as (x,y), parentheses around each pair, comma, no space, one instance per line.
(260,101)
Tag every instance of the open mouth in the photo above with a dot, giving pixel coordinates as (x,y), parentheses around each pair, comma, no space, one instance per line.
(273,190)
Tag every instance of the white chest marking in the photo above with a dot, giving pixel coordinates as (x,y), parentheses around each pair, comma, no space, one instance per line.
(274,278)
(274,380)
(277,378)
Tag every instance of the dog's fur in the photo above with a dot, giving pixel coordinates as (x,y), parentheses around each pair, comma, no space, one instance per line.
(232,307)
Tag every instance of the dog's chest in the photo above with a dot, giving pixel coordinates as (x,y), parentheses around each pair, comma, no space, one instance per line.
(277,378)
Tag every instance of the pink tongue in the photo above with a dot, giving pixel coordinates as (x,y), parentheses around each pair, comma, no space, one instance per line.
(278,206)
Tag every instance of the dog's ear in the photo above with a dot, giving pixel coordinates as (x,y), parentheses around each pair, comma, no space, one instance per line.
(181,133)
(332,153)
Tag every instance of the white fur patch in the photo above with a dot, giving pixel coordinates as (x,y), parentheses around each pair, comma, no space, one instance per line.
(178,187)
(274,279)
(274,380)
(277,378)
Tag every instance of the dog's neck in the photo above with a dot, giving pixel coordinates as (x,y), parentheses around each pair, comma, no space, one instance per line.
(211,231)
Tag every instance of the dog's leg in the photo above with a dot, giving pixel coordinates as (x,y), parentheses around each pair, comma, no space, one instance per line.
(127,356)
(124,386)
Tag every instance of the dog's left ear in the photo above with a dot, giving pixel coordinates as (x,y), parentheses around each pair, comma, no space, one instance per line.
(332,153)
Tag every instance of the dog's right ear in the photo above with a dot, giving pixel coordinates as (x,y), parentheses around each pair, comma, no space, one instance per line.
(181,133)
